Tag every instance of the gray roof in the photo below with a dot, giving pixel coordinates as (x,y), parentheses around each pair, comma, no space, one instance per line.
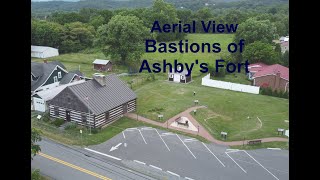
(103,98)
(79,73)
(184,72)
(42,71)
(67,78)
(57,63)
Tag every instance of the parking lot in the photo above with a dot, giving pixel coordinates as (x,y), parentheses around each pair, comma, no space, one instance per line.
(170,156)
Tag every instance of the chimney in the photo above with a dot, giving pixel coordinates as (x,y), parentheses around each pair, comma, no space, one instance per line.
(45,61)
(100,78)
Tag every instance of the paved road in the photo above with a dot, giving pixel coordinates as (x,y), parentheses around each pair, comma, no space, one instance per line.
(68,163)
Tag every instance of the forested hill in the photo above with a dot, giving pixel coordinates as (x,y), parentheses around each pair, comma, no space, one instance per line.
(45,8)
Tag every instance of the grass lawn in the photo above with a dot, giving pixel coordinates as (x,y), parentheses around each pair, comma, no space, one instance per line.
(223,39)
(227,110)
(282,145)
(73,137)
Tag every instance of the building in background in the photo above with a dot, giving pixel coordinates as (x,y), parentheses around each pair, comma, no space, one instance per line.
(43,51)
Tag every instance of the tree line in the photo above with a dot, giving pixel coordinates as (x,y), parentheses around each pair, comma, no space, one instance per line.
(121,33)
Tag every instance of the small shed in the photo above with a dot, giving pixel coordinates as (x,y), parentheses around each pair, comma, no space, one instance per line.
(102,65)
(43,52)
(180,77)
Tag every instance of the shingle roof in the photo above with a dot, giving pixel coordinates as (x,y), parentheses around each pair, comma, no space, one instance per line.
(57,63)
(103,98)
(101,61)
(67,78)
(272,70)
(43,71)
(256,67)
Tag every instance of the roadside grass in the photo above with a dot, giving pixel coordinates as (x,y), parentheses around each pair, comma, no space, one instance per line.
(282,145)
(230,109)
(73,136)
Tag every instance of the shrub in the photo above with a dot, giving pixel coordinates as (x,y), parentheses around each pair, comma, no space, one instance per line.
(95,130)
(35,175)
(58,122)
(71,125)
(46,117)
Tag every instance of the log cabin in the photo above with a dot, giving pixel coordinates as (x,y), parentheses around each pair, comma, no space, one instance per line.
(94,103)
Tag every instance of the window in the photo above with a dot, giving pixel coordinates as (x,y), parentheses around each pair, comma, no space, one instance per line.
(59,74)
(182,77)
(171,75)
(55,79)
(56,111)
(84,118)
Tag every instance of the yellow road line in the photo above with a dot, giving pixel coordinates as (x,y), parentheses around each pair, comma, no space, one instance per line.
(73,166)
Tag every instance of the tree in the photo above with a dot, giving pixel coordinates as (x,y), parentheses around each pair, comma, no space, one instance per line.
(253,30)
(285,59)
(260,52)
(125,38)
(35,137)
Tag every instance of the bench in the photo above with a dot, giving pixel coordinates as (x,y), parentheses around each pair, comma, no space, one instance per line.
(254,142)
(182,123)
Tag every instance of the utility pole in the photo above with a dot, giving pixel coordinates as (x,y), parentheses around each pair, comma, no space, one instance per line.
(88,102)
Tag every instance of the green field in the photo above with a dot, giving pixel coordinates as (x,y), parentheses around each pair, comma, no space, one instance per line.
(227,110)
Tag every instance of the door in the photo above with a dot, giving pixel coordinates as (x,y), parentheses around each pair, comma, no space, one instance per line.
(68,115)
(176,78)
(125,108)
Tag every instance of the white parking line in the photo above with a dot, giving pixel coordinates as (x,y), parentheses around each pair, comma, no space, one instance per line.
(123,135)
(213,154)
(139,162)
(142,136)
(274,148)
(155,167)
(162,140)
(232,149)
(147,128)
(173,173)
(261,165)
(189,178)
(186,146)
(190,140)
(132,128)
(103,154)
(129,130)
(167,134)
(235,162)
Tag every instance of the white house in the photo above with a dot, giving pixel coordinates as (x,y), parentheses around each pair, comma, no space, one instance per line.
(179,77)
(43,51)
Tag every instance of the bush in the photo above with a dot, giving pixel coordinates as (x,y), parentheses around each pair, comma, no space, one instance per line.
(35,175)
(71,125)
(46,117)
(269,92)
(58,122)
(95,130)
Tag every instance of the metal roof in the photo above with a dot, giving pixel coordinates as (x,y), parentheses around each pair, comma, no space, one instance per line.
(103,98)
(40,48)
(51,93)
(101,61)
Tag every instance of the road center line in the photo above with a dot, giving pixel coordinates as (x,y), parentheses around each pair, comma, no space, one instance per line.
(142,136)
(236,162)
(139,162)
(213,154)
(73,166)
(162,140)
(103,154)
(261,165)
(155,167)
(173,173)
(186,146)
